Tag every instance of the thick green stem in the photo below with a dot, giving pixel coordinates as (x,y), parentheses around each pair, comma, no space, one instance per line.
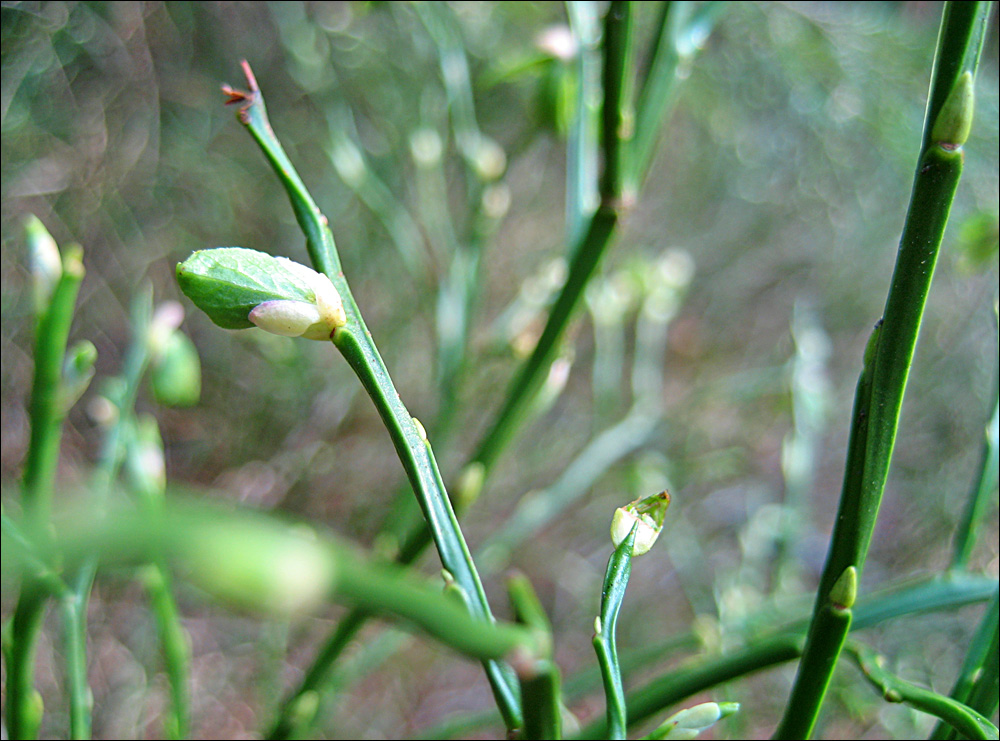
(541,684)
(890,352)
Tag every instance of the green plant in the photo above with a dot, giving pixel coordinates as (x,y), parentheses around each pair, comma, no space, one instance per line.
(260,562)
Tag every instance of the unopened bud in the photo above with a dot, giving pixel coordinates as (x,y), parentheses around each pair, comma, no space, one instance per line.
(648,513)
(690,722)
(241,288)
(954,120)
(44,259)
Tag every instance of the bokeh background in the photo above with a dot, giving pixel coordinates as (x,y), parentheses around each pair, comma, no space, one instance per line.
(772,210)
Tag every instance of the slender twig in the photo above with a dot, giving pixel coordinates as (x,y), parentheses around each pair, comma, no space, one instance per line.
(890,351)
(962,718)
(358,348)
(948,592)
(254,559)
(976,685)
(612,594)
(24,705)
(984,485)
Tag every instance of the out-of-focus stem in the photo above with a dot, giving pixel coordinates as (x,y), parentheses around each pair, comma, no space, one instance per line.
(46,414)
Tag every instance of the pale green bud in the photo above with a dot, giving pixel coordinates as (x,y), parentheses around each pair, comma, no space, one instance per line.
(845,590)
(690,722)
(648,513)
(176,373)
(78,370)
(44,259)
(241,288)
(954,120)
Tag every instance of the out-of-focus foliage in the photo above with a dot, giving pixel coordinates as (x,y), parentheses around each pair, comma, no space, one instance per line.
(783,175)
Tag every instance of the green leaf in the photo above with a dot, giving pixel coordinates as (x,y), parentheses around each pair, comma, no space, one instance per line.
(227,283)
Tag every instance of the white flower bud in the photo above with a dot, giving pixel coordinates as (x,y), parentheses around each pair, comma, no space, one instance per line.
(287,318)
(648,513)
(689,723)
(313,321)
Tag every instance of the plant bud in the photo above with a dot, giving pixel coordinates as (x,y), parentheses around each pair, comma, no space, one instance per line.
(954,120)
(690,722)
(78,371)
(44,259)
(845,590)
(240,288)
(176,372)
(648,513)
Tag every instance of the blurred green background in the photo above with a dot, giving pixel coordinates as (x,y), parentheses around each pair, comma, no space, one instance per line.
(781,182)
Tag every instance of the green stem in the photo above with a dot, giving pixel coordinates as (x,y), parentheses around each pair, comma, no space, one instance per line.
(253,559)
(46,415)
(962,718)
(356,344)
(976,685)
(582,140)
(175,647)
(74,605)
(984,485)
(612,594)
(887,359)
(682,28)
(74,621)
(286,721)
(949,592)
(541,685)
(674,687)
(617,115)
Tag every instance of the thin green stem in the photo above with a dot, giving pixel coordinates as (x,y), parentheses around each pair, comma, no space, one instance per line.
(612,594)
(617,115)
(175,647)
(253,559)
(682,28)
(949,592)
(977,681)
(962,718)
(356,344)
(582,144)
(74,623)
(887,359)
(983,486)
(46,414)
(681,683)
